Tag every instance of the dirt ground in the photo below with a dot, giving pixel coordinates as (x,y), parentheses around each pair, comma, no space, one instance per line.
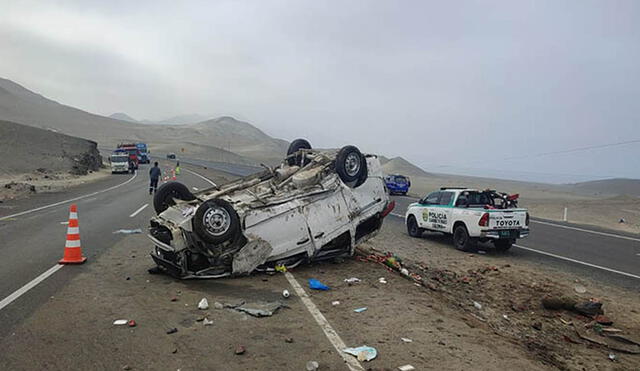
(447,331)
(44,181)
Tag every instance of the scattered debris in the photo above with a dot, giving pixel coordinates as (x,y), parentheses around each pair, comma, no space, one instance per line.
(612,357)
(285,293)
(126,367)
(406,368)
(406,340)
(589,308)
(537,325)
(281,268)
(622,220)
(260,309)
(174,351)
(579,289)
(603,320)
(120,322)
(382,280)
(288,340)
(336,302)
(218,305)
(404,271)
(172,331)
(207,322)
(174,299)
(364,353)
(312,365)
(352,280)
(128,231)
(131,323)
(203,304)
(360,310)
(314,284)
(240,350)
(505,317)
(477,305)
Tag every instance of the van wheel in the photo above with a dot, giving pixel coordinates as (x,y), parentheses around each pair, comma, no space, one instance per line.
(461,239)
(167,192)
(216,221)
(351,166)
(413,229)
(294,147)
(502,245)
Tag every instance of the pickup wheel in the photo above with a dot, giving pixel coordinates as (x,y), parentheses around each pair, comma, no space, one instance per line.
(502,245)
(216,221)
(351,166)
(461,239)
(167,192)
(294,147)
(413,229)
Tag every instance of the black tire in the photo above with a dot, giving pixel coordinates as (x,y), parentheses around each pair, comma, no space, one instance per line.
(413,229)
(216,221)
(294,147)
(461,239)
(167,192)
(502,245)
(351,166)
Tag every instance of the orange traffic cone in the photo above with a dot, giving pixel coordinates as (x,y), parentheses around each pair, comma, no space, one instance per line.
(72,249)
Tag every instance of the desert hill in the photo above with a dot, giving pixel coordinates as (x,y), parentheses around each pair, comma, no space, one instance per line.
(122,117)
(618,186)
(399,165)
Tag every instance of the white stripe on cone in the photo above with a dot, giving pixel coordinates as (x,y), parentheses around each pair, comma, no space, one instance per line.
(73,230)
(72,243)
(73,215)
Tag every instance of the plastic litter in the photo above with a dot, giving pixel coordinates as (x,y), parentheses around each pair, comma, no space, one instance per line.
(612,357)
(172,331)
(477,305)
(128,231)
(312,366)
(352,280)
(285,293)
(360,310)
(334,303)
(406,340)
(281,268)
(404,271)
(240,350)
(131,323)
(406,368)
(218,305)
(382,280)
(364,353)
(314,284)
(207,322)
(203,304)
(120,322)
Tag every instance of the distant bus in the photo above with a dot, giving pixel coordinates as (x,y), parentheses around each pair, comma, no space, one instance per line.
(144,153)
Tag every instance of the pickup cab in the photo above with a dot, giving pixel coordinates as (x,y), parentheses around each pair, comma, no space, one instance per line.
(471,216)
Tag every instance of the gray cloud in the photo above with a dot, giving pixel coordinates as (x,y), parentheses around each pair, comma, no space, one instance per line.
(456,87)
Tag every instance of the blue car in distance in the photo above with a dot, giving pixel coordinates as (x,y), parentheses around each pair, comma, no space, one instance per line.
(397,184)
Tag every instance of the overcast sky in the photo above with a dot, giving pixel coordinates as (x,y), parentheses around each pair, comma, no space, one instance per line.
(479,88)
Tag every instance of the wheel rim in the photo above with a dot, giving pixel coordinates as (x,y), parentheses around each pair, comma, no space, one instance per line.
(460,238)
(216,221)
(413,228)
(352,164)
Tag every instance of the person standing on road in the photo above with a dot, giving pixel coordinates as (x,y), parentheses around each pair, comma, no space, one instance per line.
(154,175)
(177,167)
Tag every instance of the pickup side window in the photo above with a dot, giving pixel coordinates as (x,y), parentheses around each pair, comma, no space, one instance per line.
(445,198)
(431,199)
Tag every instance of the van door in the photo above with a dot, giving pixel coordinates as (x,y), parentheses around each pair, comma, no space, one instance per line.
(326,218)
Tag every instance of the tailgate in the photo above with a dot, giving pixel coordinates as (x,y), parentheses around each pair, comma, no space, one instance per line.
(507,219)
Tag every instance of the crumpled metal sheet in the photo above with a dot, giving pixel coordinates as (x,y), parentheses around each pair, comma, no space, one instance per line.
(260,309)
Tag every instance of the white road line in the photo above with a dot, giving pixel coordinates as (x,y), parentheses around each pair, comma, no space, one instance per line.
(578,261)
(138,211)
(329,332)
(588,231)
(202,177)
(398,215)
(69,200)
(19,292)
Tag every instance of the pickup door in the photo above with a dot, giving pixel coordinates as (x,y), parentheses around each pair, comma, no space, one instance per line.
(436,211)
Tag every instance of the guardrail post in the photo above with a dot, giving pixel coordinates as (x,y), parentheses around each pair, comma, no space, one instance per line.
(565,215)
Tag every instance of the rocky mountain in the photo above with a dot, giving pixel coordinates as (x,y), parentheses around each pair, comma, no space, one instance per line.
(399,165)
(122,117)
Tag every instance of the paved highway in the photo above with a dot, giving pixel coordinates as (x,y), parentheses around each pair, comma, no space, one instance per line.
(609,255)
(33,234)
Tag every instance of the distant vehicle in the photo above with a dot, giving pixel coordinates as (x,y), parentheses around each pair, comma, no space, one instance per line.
(171,156)
(397,184)
(315,205)
(471,216)
(144,153)
(119,162)
(132,150)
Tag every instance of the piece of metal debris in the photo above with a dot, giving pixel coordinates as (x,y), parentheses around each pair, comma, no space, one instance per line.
(260,309)
(203,304)
(360,310)
(128,231)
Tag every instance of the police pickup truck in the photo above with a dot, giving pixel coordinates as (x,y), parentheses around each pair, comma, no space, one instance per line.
(471,216)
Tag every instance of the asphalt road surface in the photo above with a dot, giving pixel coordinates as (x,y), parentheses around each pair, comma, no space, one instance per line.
(33,233)
(607,255)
